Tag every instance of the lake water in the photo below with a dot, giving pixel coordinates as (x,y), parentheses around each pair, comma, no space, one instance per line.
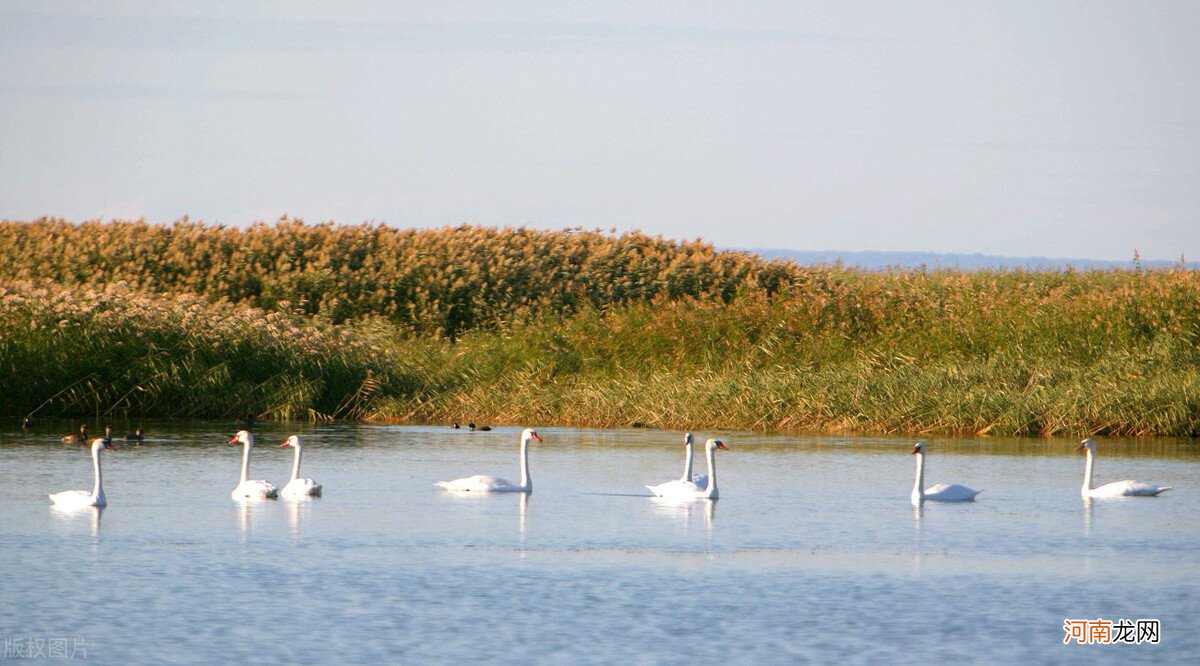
(813,552)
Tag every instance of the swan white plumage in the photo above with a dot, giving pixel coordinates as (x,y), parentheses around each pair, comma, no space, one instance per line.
(248,488)
(1116,488)
(74,499)
(296,487)
(494,484)
(942,492)
(698,481)
(680,490)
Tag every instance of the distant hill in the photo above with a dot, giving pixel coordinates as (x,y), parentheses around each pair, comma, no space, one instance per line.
(872,260)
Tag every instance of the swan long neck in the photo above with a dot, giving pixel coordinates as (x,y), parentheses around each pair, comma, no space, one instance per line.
(98,490)
(526,482)
(711,454)
(1087,471)
(245,462)
(687,464)
(296,464)
(918,491)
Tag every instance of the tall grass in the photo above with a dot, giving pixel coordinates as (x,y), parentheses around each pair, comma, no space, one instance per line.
(518,326)
(114,351)
(1000,353)
(432,282)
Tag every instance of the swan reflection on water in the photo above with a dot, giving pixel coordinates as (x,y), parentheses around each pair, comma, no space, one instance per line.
(1089,511)
(72,516)
(686,508)
(522,507)
(919,549)
(523,501)
(243,516)
(294,510)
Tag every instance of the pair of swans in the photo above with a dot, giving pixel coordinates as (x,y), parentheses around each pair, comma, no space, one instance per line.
(296,487)
(953,492)
(689,487)
(494,484)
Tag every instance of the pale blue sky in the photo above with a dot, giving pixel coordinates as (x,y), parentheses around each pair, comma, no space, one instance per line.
(1018,128)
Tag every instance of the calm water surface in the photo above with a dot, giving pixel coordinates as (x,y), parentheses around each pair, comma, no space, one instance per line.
(812,553)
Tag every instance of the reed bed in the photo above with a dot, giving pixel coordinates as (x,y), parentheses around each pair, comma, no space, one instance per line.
(81,351)
(431,282)
(992,353)
(587,328)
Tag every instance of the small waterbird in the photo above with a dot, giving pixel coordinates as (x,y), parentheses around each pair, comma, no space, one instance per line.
(79,439)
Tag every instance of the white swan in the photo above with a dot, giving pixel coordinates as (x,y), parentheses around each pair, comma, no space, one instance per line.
(942,492)
(74,499)
(493,484)
(250,488)
(298,488)
(1116,488)
(699,480)
(679,489)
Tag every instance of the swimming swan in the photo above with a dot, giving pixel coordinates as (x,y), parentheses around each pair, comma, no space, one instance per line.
(493,484)
(1116,488)
(250,488)
(690,490)
(942,492)
(74,499)
(699,480)
(298,488)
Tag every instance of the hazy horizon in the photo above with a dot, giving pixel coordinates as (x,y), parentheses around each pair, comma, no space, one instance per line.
(1050,129)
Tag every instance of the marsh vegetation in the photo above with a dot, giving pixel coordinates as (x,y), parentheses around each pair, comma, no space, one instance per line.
(577,327)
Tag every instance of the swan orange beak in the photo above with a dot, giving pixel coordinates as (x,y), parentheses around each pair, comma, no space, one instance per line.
(721,446)
(915,451)
(233,441)
(1080,447)
(283,445)
(535,436)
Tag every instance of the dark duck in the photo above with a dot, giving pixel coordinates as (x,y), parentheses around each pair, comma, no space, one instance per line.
(81,438)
